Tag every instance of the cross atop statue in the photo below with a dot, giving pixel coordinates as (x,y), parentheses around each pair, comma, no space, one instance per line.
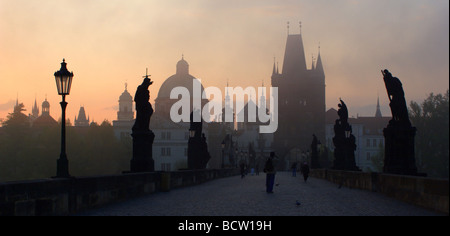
(144,109)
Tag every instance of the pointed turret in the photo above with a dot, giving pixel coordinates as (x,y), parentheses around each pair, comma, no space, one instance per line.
(319,66)
(378,112)
(81,120)
(262,100)
(274,69)
(35,109)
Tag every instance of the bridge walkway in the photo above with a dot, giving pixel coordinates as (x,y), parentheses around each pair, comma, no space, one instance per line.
(236,196)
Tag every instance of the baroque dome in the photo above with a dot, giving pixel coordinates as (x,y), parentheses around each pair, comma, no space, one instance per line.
(126,96)
(182,78)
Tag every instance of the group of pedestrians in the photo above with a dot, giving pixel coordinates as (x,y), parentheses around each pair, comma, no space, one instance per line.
(270,171)
(245,168)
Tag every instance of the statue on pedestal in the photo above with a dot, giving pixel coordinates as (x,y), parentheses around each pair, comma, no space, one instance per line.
(198,155)
(143,137)
(399,155)
(344,141)
(396,97)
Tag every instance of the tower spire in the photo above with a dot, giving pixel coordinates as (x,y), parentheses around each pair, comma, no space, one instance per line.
(319,66)
(288,27)
(274,71)
(300,25)
(378,112)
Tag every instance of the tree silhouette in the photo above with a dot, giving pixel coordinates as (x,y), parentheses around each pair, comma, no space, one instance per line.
(431,118)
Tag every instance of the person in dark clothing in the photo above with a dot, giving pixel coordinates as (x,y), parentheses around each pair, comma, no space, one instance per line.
(242,166)
(269,169)
(294,169)
(305,171)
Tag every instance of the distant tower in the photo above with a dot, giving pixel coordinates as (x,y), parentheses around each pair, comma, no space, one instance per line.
(125,112)
(35,109)
(45,108)
(301,98)
(228,110)
(81,121)
(262,98)
(44,119)
(34,112)
(378,112)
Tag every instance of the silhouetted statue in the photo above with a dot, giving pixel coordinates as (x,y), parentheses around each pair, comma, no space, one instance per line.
(396,96)
(343,112)
(143,137)
(399,154)
(198,155)
(197,126)
(344,141)
(144,109)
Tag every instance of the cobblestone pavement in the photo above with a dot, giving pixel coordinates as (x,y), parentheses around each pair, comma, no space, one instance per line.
(234,196)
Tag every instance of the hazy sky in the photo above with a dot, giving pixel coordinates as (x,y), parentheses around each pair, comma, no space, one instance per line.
(107,43)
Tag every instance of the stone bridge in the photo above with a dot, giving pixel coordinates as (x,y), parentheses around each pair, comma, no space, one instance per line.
(224,193)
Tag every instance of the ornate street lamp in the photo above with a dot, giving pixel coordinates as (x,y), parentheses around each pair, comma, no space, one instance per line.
(191,133)
(348,131)
(63,80)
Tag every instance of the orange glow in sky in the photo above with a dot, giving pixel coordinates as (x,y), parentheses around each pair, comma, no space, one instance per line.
(107,43)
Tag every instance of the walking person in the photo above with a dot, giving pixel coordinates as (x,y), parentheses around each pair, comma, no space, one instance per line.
(305,171)
(269,169)
(242,169)
(294,169)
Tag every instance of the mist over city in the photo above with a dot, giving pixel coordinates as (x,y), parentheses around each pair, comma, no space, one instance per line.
(160,95)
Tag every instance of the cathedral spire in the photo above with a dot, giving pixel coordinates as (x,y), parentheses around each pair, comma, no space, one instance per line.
(274,70)
(300,25)
(319,66)
(35,109)
(378,112)
(288,28)
(262,99)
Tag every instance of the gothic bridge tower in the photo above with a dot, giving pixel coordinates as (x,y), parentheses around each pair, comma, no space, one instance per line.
(301,98)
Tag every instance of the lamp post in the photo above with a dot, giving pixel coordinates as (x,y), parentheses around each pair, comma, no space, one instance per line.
(191,133)
(63,80)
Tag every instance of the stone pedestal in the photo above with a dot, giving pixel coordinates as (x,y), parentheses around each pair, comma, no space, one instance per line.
(399,156)
(344,151)
(142,152)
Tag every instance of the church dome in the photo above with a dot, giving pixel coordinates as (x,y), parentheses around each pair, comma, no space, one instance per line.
(181,79)
(126,96)
(182,66)
(45,104)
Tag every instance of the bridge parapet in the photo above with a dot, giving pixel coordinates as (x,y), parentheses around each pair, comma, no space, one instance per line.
(71,195)
(430,193)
